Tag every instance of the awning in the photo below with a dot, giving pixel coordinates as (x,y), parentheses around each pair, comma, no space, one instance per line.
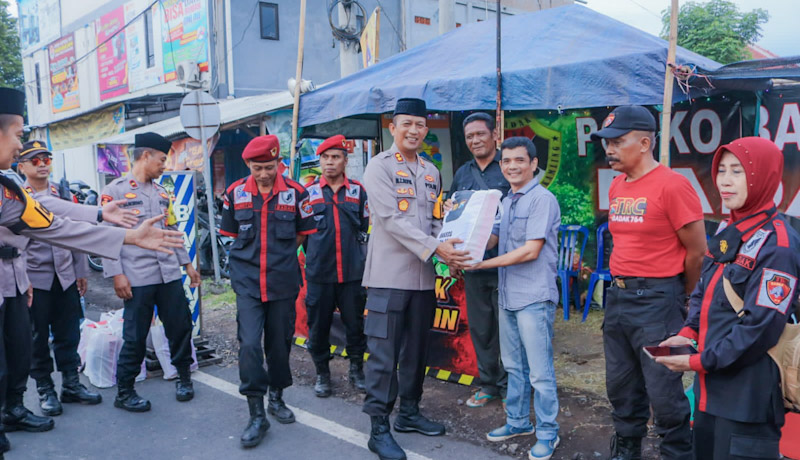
(559,58)
(232,112)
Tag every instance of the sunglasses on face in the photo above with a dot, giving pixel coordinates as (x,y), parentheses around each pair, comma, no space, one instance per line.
(36,161)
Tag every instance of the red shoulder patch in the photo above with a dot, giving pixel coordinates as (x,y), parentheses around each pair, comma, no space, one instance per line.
(781,233)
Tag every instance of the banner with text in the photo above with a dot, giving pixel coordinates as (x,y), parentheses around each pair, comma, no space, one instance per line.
(64,94)
(184,34)
(112,61)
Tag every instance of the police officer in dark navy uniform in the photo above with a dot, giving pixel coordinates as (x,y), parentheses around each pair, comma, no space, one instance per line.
(335,263)
(404,192)
(746,294)
(58,277)
(21,218)
(144,278)
(270,216)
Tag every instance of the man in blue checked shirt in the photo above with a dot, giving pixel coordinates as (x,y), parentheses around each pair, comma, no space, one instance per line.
(527,236)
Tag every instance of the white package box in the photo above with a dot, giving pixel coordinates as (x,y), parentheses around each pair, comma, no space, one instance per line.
(471,220)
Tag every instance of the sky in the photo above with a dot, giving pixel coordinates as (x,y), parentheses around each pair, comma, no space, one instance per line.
(781,35)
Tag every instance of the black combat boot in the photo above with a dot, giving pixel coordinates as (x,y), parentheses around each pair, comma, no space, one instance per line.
(48,399)
(382,442)
(184,390)
(409,419)
(73,391)
(5,446)
(258,425)
(322,389)
(16,417)
(128,399)
(356,375)
(624,448)
(277,408)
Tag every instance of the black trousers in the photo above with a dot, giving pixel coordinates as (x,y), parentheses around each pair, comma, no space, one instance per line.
(397,327)
(322,299)
(644,314)
(15,355)
(717,438)
(481,293)
(57,310)
(173,311)
(274,322)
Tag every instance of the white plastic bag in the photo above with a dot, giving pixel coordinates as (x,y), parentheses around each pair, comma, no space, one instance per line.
(161,347)
(101,351)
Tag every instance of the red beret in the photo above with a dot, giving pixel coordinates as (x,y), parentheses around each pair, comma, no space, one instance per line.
(335,142)
(262,148)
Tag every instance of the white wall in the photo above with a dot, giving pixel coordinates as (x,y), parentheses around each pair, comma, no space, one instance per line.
(80,163)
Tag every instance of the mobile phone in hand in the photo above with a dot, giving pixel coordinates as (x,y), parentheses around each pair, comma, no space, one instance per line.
(655,352)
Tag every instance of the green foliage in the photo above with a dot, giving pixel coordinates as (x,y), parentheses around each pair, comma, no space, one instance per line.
(577,206)
(10,57)
(717,29)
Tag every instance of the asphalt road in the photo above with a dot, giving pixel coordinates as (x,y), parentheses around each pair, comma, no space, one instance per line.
(209,427)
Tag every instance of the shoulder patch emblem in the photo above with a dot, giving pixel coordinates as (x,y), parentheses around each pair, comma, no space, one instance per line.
(776,290)
(402,205)
(305,209)
(29,189)
(53,190)
(105,199)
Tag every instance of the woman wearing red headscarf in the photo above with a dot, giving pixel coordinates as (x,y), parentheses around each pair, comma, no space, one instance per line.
(738,401)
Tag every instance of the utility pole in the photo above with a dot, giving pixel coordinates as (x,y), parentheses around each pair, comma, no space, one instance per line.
(447,16)
(348,49)
(666,111)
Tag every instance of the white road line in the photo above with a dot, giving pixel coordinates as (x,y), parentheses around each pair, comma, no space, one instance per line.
(324,425)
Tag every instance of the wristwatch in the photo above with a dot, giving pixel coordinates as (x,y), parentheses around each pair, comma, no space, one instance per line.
(99,215)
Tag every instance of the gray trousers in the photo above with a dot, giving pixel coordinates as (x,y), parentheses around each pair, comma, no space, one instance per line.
(481,292)
(398,328)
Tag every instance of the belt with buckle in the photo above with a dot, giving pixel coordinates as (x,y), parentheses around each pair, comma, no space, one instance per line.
(634,282)
(9,252)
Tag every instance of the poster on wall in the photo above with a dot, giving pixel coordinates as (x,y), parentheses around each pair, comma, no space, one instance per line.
(88,128)
(184,31)
(140,75)
(113,159)
(64,93)
(39,23)
(187,154)
(180,186)
(112,62)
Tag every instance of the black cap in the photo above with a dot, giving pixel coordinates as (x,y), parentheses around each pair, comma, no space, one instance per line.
(625,119)
(31,148)
(153,141)
(12,102)
(410,106)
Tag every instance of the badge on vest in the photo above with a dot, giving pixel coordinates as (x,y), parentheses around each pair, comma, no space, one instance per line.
(286,201)
(749,251)
(241,198)
(305,209)
(775,290)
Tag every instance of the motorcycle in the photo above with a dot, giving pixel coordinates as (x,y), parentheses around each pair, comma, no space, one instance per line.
(224,243)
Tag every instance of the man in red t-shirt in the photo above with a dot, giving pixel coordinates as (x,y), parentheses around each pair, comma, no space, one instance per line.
(656,221)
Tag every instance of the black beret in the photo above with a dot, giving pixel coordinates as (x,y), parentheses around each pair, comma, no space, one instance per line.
(153,141)
(31,148)
(12,102)
(410,106)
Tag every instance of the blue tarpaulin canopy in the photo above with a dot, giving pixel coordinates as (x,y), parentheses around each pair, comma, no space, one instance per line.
(567,57)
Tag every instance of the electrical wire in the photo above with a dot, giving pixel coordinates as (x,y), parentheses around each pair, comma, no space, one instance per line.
(400,40)
(345,33)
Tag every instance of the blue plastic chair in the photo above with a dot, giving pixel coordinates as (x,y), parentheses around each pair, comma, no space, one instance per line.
(572,237)
(601,272)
